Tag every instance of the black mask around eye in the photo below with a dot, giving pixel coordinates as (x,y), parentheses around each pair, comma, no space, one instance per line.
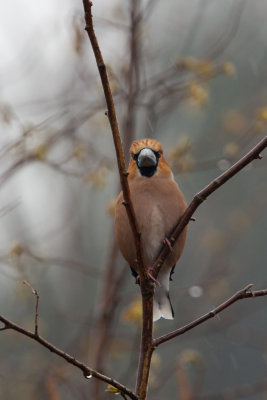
(147,162)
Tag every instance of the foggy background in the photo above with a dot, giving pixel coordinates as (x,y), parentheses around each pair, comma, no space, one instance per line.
(191,74)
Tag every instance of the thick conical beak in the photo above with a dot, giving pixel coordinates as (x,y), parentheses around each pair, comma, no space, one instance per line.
(146,158)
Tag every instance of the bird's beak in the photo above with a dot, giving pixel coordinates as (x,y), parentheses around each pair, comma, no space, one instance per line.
(146,158)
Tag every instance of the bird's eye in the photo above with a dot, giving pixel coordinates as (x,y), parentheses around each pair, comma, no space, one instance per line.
(135,156)
(157,154)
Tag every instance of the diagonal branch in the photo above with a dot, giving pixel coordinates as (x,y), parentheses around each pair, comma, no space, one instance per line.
(203,195)
(87,371)
(244,293)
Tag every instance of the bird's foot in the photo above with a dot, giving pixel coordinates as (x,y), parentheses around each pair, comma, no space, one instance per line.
(150,276)
(166,241)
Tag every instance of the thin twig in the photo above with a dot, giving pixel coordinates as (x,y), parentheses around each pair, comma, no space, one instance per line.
(79,266)
(87,371)
(244,293)
(203,195)
(34,291)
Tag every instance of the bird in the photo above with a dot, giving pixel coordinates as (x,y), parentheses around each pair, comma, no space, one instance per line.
(158,203)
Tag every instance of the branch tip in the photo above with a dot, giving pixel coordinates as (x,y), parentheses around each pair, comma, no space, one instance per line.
(248,287)
(244,293)
(34,291)
(4,328)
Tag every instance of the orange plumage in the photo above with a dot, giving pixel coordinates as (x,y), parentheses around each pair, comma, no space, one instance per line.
(158,204)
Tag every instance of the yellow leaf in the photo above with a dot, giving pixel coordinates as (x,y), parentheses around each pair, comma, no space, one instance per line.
(197,94)
(80,151)
(180,157)
(262,114)
(97,178)
(16,250)
(187,63)
(228,68)
(111,207)
(133,313)
(41,151)
(203,68)
(112,389)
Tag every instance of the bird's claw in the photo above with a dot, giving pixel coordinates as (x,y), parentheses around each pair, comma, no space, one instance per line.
(150,276)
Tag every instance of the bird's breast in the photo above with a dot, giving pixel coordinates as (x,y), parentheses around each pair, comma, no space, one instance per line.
(158,204)
(153,231)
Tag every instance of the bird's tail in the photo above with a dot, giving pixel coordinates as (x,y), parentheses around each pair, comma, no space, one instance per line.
(162,306)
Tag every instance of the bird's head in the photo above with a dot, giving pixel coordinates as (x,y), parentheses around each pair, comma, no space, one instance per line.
(147,160)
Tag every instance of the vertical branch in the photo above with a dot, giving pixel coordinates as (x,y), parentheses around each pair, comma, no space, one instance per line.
(34,291)
(146,341)
(116,136)
(147,289)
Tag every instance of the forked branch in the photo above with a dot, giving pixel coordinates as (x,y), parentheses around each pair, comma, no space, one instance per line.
(241,294)
(203,195)
(87,371)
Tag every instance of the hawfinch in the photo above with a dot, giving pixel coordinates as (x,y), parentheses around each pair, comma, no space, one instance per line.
(158,205)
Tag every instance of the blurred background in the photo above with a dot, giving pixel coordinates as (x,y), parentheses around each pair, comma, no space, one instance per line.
(190,74)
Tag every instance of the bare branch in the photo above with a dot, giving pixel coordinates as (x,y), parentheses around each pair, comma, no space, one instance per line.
(34,291)
(123,396)
(203,195)
(146,283)
(116,136)
(241,294)
(228,35)
(15,167)
(87,371)
(79,266)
